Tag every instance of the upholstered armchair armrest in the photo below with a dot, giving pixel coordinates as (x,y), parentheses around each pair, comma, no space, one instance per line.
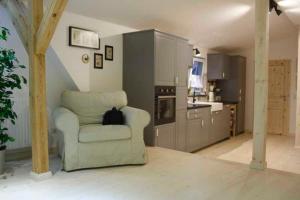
(135,117)
(67,122)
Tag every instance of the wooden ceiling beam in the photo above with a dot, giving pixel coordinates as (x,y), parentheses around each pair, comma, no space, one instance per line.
(18,14)
(48,25)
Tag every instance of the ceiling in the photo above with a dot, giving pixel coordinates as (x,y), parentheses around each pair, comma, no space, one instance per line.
(292,9)
(216,24)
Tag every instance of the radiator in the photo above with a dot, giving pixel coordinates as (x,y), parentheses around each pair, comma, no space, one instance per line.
(20,131)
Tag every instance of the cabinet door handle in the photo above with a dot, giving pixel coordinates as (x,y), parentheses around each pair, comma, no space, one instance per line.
(223,74)
(212,120)
(240,91)
(202,123)
(157,132)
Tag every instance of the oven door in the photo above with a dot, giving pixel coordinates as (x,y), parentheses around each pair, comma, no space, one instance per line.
(165,110)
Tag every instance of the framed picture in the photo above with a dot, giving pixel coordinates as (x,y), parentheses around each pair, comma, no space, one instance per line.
(98,61)
(109,52)
(79,37)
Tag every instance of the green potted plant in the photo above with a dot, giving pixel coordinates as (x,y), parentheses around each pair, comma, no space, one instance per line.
(9,81)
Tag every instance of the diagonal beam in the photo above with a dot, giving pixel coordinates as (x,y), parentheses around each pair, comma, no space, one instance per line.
(48,25)
(18,14)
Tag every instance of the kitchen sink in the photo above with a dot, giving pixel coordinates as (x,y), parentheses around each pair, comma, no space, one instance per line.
(215,106)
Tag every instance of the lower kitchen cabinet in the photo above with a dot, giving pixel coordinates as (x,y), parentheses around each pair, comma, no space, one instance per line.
(220,125)
(180,139)
(165,136)
(193,135)
(197,129)
(194,129)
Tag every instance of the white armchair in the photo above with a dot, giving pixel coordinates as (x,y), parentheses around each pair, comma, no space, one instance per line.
(86,143)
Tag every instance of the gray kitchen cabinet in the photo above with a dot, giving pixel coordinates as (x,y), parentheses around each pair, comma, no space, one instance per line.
(218,67)
(215,127)
(234,89)
(220,125)
(225,123)
(181,127)
(182,62)
(193,134)
(181,97)
(165,54)
(150,59)
(165,136)
(198,127)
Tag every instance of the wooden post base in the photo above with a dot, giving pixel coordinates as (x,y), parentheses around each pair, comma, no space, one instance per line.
(41,176)
(258,165)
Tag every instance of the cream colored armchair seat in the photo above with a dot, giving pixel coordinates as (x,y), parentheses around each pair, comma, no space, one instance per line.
(86,143)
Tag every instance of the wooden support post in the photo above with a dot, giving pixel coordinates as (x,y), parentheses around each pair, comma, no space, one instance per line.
(37,91)
(261,84)
(297,139)
(36,39)
(48,25)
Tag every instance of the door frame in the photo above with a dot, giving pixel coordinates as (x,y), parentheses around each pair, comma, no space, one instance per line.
(287,85)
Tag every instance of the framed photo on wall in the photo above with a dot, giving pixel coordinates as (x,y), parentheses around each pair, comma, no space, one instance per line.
(79,37)
(98,60)
(109,52)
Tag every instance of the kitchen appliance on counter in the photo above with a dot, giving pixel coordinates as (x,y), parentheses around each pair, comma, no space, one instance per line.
(211,93)
(165,105)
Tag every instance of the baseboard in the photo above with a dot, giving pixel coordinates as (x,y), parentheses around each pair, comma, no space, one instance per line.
(23,153)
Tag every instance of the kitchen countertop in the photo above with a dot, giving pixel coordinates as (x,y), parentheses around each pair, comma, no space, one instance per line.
(229,102)
(190,106)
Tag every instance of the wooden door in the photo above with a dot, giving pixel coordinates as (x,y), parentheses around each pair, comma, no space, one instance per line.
(165,47)
(279,90)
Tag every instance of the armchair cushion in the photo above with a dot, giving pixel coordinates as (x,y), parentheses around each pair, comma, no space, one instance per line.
(91,106)
(100,133)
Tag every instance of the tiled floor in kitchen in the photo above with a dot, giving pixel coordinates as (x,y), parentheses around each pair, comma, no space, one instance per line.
(281,153)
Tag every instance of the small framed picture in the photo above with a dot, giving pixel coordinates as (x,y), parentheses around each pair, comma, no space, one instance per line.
(109,52)
(79,37)
(98,61)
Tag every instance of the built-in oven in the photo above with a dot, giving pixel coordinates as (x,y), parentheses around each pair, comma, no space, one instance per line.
(165,104)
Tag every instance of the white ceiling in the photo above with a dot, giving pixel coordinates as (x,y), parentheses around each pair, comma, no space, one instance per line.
(292,9)
(217,24)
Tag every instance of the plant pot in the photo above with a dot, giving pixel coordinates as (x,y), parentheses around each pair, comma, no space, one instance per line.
(2,161)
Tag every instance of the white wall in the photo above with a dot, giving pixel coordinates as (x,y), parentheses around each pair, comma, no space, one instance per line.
(57,81)
(84,75)
(111,76)
(285,48)
(297,140)
(65,70)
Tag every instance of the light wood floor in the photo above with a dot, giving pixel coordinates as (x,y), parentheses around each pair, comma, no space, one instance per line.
(281,154)
(169,175)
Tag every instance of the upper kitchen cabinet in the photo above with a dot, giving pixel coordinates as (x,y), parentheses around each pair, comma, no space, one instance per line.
(184,57)
(165,51)
(172,58)
(218,67)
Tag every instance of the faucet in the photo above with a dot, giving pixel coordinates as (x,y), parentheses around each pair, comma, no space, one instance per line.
(194,96)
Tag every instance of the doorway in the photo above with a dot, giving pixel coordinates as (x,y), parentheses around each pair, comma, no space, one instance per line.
(279,96)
